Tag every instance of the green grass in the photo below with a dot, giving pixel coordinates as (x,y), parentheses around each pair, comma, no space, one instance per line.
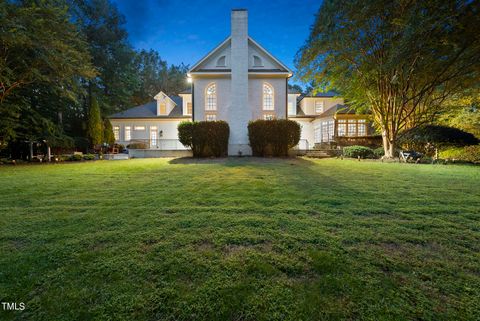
(240,239)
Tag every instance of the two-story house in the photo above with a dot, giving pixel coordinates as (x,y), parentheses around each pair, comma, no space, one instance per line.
(238,81)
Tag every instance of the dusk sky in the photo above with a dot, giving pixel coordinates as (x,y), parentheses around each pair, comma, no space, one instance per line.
(184,31)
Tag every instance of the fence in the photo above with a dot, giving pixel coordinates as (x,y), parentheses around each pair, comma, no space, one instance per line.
(157,144)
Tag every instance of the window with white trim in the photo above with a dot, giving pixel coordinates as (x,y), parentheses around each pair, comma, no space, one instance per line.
(211,97)
(189,108)
(268,103)
(128,133)
(318,106)
(362,127)
(116,132)
(342,127)
(153,136)
(221,62)
(352,127)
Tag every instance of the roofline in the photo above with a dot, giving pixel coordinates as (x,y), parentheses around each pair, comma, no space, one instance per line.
(161,92)
(272,56)
(209,54)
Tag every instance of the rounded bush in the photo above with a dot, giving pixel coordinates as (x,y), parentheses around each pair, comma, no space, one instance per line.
(358,151)
(378,152)
(273,137)
(205,138)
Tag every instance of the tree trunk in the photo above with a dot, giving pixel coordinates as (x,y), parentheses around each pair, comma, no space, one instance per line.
(388,146)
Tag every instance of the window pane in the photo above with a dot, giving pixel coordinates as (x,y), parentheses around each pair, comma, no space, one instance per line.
(352,129)
(128,134)
(362,130)
(139,128)
(341,129)
(210,117)
(116,132)
(319,107)
(189,108)
(268,116)
(211,103)
(267,97)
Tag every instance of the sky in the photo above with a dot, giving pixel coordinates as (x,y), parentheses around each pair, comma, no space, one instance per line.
(185,31)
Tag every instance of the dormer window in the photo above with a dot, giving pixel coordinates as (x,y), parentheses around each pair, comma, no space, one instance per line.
(257,61)
(222,61)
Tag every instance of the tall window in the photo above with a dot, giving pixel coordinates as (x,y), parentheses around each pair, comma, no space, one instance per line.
(318,107)
(268,97)
(189,108)
(116,132)
(342,127)
(352,127)
(211,97)
(153,136)
(128,133)
(163,109)
(327,131)
(362,128)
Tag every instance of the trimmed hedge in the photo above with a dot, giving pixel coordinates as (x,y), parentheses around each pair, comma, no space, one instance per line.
(358,151)
(379,152)
(467,154)
(137,145)
(205,138)
(273,137)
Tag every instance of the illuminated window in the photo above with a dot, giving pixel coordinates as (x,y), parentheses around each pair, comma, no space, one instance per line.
(362,127)
(211,97)
(342,127)
(153,136)
(328,128)
(189,108)
(138,127)
(128,133)
(319,107)
(269,117)
(163,109)
(116,132)
(352,128)
(210,117)
(317,134)
(268,97)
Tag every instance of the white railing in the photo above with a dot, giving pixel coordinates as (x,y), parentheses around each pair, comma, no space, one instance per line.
(157,144)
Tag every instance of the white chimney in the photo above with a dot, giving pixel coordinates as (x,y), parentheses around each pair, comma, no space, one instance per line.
(239,112)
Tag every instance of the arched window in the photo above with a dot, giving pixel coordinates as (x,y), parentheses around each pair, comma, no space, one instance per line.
(211,97)
(268,103)
(257,61)
(221,62)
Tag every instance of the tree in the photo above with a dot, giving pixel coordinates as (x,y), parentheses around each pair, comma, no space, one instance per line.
(108,135)
(42,57)
(400,59)
(94,125)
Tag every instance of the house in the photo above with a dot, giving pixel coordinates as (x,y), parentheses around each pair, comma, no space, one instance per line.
(238,81)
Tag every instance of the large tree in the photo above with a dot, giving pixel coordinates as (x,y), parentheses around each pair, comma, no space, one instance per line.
(42,57)
(401,59)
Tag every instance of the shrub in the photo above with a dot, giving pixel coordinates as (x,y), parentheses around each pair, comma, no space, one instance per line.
(273,137)
(430,137)
(137,145)
(76,157)
(205,138)
(378,152)
(358,151)
(89,157)
(465,154)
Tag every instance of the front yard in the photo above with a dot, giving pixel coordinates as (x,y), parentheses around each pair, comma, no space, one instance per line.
(240,239)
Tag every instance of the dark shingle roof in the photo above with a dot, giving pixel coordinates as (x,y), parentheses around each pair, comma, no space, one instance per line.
(330,93)
(149,110)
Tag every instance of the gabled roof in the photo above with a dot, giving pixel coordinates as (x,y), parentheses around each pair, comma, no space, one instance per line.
(208,55)
(269,55)
(325,94)
(166,96)
(149,110)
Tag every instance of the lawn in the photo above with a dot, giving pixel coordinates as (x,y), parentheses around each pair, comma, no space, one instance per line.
(240,239)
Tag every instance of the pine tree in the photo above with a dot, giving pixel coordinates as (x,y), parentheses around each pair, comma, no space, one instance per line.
(94,125)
